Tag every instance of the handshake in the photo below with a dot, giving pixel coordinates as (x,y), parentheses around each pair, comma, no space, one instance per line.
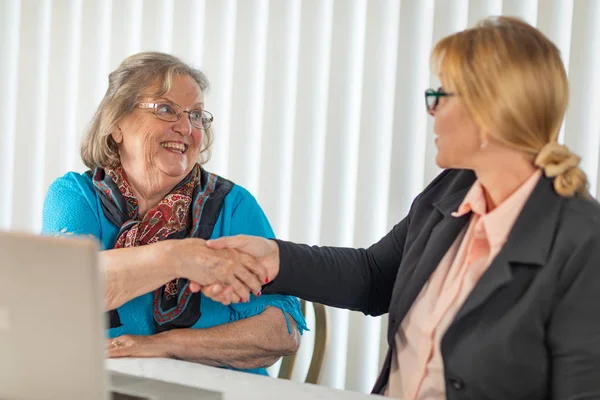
(227,269)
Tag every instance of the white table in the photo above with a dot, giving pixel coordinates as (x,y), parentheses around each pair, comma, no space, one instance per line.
(234,385)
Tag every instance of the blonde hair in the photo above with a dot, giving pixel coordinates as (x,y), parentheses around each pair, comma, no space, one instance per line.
(513,82)
(138,75)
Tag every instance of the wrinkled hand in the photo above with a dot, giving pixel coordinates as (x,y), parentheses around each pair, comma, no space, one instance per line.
(136,346)
(264,252)
(219,293)
(225,267)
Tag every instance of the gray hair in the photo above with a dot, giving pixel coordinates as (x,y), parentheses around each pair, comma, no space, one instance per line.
(126,85)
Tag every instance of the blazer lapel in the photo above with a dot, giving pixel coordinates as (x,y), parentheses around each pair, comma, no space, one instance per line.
(424,256)
(529,243)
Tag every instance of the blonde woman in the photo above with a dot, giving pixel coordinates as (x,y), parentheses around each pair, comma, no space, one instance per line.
(151,205)
(491,281)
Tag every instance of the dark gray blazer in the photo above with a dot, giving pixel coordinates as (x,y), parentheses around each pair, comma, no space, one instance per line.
(530,329)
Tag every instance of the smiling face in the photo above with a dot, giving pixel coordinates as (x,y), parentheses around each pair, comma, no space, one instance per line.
(159,152)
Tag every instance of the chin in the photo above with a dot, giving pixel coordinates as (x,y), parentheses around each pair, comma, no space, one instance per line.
(173,171)
(176,167)
(441,162)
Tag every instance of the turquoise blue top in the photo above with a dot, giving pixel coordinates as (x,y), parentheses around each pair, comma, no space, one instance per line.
(72,207)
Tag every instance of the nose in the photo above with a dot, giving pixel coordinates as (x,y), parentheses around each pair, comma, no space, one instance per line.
(184,125)
(431,112)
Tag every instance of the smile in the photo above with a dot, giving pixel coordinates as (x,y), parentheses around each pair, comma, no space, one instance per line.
(175,147)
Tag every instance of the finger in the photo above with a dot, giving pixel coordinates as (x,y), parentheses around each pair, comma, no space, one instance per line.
(225,300)
(118,353)
(241,291)
(206,292)
(234,298)
(256,268)
(195,287)
(217,293)
(117,348)
(227,296)
(216,289)
(232,242)
(245,275)
(212,291)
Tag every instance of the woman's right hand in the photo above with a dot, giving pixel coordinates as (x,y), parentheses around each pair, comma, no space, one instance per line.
(265,253)
(226,267)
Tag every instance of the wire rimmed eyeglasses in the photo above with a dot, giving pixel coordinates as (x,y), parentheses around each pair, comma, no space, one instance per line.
(172,112)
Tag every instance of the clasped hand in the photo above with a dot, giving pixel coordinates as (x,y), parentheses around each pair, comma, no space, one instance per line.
(228,269)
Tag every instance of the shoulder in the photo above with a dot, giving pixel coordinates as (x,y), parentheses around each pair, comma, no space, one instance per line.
(71,205)
(242,202)
(236,195)
(241,214)
(72,182)
(564,230)
(580,218)
(240,194)
(576,246)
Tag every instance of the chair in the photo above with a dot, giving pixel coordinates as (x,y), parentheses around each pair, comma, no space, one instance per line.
(318,355)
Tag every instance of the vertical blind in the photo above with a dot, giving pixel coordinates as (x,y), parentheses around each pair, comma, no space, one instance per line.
(318,108)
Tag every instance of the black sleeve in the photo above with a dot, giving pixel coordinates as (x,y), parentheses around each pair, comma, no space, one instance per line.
(356,279)
(574,328)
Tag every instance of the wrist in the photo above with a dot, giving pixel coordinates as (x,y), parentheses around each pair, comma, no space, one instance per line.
(166,344)
(173,343)
(166,254)
(273,263)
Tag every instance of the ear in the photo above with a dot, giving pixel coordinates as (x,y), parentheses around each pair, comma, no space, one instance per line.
(117,134)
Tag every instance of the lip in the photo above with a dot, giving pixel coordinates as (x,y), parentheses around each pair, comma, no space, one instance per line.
(174,141)
(177,142)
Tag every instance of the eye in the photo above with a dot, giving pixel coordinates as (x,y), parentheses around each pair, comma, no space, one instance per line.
(166,110)
(196,115)
(207,119)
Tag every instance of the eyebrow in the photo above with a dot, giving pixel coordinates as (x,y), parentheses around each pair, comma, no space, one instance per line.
(194,106)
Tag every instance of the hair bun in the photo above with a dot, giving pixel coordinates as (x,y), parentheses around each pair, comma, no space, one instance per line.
(560,163)
(556,159)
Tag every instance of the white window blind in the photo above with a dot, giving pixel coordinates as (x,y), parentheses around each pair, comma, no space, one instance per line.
(318,108)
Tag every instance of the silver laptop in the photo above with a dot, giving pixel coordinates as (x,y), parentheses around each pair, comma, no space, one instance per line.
(52,333)
(51,327)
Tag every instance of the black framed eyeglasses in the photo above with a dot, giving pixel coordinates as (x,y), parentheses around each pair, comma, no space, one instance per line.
(172,112)
(432,98)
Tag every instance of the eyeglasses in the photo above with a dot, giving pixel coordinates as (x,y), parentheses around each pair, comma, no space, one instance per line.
(171,112)
(432,98)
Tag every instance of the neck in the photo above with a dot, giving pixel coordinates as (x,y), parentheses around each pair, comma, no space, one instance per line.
(148,191)
(502,173)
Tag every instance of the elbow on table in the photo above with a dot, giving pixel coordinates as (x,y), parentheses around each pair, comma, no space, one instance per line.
(291,343)
(287,347)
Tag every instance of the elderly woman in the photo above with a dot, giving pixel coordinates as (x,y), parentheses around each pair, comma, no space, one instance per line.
(492,280)
(145,147)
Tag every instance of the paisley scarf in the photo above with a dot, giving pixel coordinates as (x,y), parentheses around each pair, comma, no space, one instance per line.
(189,210)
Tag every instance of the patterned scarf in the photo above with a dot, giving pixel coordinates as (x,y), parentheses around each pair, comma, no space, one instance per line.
(189,210)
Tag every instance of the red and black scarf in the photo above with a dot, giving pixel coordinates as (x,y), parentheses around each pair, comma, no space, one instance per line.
(191,209)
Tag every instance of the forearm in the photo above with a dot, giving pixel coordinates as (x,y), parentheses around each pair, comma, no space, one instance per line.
(254,342)
(356,279)
(132,272)
(334,276)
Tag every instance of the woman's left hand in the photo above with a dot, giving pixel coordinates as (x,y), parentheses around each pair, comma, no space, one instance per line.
(136,346)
